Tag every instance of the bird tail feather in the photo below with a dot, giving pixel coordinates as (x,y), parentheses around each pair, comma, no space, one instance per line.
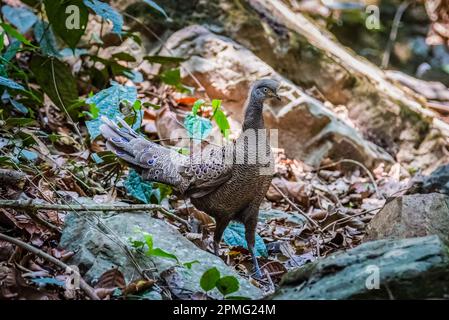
(155,162)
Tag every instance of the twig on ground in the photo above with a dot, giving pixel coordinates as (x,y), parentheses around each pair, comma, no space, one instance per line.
(344,219)
(34,215)
(310,220)
(83,284)
(33,205)
(370,175)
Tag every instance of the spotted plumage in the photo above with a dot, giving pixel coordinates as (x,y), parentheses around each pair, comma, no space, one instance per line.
(215,180)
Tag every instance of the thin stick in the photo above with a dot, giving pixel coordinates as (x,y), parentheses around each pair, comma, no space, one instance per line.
(310,220)
(33,214)
(344,219)
(394,33)
(360,165)
(33,205)
(83,284)
(75,126)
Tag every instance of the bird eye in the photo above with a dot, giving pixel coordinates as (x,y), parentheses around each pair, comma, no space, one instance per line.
(265,90)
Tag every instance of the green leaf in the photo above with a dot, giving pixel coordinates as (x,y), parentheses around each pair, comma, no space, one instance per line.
(197,105)
(138,188)
(28,155)
(15,34)
(46,38)
(155,6)
(94,111)
(209,279)
(145,191)
(162,191)
(171,77)
(19,122)
(234,235)
(76,53)
(108,102)
(16,104)
(158,252)
(123,56)
(137,244)
(48,281)
(227,285)
(197,127)
(5,82)
(189,264)
(56,80)
(20,17)
(96,158)
(19,106)
(106,12)
(11,50)
(5,160)
(220,118)
(148,241)
(137,106)
(67,24)
(164,59)
(134,76)
(151,105)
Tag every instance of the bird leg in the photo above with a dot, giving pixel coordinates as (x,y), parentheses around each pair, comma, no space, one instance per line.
(255,262)
(220,226)
(250,235)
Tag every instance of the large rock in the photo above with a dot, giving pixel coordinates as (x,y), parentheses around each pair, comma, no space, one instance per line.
(96,249)
(307,129)
(437,181)
(407,269)
(395,121)
(410,216)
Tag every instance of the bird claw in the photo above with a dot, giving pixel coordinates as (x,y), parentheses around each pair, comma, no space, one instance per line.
(258,273)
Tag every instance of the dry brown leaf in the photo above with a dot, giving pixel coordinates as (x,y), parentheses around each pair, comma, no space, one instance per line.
(274,268)
(6,250)
(8,283)
(138,286)
(111,279)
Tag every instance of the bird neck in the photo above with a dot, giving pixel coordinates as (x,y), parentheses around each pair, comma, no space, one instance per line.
(254,114)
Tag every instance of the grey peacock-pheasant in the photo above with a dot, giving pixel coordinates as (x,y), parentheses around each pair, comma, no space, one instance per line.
(228,183)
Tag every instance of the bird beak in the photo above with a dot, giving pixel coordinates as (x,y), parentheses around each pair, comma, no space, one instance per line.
(277,96)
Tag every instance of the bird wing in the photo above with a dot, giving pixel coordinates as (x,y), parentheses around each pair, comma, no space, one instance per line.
(207,171)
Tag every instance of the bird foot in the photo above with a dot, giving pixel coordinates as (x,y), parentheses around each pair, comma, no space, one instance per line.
(258,273)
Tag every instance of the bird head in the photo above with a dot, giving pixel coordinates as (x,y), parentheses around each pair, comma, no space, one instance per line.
(265,89)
